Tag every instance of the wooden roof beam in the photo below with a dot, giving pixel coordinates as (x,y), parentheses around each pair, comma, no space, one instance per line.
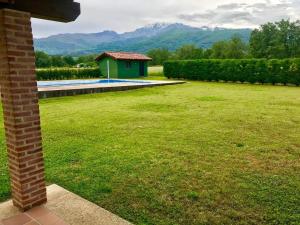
(57,10)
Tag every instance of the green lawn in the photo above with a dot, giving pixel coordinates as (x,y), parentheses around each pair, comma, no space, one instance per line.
(199,153)
(155,70)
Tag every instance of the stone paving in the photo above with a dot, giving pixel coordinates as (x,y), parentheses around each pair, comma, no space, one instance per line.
(62,208)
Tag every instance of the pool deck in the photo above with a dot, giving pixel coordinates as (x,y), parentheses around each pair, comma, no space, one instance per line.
(71,90)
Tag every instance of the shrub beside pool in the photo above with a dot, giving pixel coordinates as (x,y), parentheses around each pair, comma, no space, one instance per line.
(68,73)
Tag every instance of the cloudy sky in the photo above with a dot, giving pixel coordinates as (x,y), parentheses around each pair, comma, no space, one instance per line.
(127,15)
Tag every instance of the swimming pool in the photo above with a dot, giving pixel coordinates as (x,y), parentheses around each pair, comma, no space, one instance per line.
(86,82)
(50,89)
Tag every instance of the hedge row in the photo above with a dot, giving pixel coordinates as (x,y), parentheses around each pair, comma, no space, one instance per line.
(67,73)
(275,71)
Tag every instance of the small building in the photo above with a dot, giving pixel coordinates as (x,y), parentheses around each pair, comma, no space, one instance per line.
(123,65)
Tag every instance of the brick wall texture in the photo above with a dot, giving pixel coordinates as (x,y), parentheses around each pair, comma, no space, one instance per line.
(19,97)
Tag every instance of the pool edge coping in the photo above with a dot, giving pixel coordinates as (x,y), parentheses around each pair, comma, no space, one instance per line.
(54,92)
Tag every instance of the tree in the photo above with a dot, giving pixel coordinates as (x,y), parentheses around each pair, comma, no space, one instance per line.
(207,54)
(236,48)
(219,50)
(57,61)
(69,60)
(42,60)
(189,52)
(87,60)
(276,40)
(159,56)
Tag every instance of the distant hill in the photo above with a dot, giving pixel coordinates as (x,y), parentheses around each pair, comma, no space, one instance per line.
(170,36)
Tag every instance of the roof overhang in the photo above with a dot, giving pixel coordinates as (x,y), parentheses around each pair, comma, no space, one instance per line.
(106,54)
(56,10)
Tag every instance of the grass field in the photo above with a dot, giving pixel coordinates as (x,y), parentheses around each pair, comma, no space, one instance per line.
(155,70)
(199,153)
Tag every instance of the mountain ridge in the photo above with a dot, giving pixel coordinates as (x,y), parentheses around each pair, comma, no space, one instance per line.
(159,35)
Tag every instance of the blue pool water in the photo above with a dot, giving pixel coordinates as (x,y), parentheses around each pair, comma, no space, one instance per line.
(81,82)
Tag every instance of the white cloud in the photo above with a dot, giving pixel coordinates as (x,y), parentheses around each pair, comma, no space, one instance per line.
(126,15)
(245,14)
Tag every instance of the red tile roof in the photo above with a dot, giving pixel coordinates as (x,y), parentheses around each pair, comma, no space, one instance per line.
(124,56)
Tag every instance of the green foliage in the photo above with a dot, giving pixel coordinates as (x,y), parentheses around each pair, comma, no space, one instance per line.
(87,60)
(207,54)
(218,50)
(58,61)
(234,48)
(189,52)
(236,70)
(69,60)
(159,56)
(276,40)
(44,60)
(67,73)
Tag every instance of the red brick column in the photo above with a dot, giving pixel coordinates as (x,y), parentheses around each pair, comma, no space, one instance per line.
(21,110)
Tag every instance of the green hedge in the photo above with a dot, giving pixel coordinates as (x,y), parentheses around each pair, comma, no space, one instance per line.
(275,71)
(67,73)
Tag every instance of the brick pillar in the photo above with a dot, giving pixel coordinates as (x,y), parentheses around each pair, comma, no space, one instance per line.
(21,110)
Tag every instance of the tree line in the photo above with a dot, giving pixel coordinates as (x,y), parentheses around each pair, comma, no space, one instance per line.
(271,41)
(277,40)
(44,60)
(234,48)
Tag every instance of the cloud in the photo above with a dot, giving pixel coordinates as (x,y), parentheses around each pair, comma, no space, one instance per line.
(214,17)
(127,15)
(245,14)
(118,15)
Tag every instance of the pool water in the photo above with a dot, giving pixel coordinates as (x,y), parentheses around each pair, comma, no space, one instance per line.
(82,82)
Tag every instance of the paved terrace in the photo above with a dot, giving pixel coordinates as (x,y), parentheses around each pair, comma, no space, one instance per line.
(62,208)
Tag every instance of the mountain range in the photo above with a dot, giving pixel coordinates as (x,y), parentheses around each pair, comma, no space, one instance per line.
(160,35)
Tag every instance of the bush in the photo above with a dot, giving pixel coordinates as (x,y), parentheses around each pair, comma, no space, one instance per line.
(67,73)
(274,71)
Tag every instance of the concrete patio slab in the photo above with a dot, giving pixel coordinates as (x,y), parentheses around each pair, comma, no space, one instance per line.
(63,207)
